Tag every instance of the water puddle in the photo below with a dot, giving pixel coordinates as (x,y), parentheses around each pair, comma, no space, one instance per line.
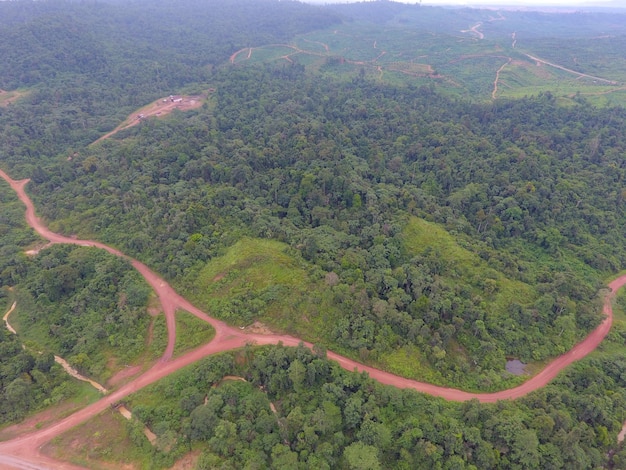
(515,367)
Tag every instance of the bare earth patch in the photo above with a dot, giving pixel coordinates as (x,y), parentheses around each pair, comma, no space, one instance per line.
(10,97)
(123,376)
(159,108)
(219,277)
(188,462)
(36,249)
(258,328)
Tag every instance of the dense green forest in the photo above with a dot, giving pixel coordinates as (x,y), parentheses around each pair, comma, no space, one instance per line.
(344,186)
(29,378)
(430,234)
(94,305)
(298,410)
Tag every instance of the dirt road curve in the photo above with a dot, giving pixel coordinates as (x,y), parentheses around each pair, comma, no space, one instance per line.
(23,452)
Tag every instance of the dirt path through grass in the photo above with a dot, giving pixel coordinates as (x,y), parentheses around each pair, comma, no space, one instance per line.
(6,319)
(579,74)
(494,93)
(24,450)
(59,360)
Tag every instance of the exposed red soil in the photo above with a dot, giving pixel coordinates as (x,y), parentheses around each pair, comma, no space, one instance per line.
(159,108)
(187,462)
(9,97)
(122,376)
(23,452)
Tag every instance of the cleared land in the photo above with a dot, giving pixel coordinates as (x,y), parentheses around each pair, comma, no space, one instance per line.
(485,64)
(9,97)
(159,108)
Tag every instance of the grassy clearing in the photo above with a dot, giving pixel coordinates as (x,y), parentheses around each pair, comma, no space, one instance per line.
(254,279)
(191,332)
(9,97)
(105,442)
(463,265)
(268,53)
(158,337)
(255,262)
(82,394)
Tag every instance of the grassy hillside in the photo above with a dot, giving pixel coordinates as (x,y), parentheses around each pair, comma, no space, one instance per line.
(483,53)
(464,266)
(267,281)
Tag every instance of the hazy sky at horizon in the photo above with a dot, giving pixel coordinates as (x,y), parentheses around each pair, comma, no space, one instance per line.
(521,3)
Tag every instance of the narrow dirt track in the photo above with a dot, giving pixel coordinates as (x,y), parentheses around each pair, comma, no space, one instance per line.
(494,93)
(579,74)
(23,452)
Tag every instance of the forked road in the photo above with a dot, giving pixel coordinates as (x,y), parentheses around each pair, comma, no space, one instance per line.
(23,452)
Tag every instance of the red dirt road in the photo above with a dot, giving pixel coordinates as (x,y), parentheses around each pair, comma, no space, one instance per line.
(23,452)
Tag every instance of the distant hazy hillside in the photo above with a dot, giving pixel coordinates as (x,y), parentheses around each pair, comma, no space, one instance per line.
(39,41)
(525,23)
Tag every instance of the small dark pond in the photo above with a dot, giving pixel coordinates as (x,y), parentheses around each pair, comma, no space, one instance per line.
(515,367)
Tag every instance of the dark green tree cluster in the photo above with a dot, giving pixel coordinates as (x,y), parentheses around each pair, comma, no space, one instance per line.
(299,410)
(28,381)
(85,305)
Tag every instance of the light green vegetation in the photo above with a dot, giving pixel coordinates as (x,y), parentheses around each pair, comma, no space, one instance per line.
(191,332)
(456,62)
(157,337)
(462,265)
(254,278)
(108,439)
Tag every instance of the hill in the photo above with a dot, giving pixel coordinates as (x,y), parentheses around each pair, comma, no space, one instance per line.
(429,191)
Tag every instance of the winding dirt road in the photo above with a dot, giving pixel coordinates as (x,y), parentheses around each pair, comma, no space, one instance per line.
(23,452)
(565,69)
(494,93)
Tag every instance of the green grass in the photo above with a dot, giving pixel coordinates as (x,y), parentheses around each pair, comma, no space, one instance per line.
(457,63)
(158,340)
(259,263)
(463,265)
(254,279)
(105,440)
(191,332)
